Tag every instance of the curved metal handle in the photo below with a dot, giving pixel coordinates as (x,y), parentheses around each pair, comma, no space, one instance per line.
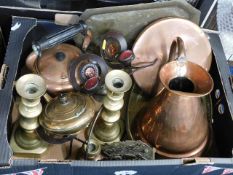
(177,49)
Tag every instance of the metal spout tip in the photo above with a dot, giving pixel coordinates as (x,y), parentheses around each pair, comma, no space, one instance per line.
(186,78)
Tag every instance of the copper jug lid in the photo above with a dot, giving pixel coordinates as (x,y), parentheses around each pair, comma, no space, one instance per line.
(68,113)
(53,66)
(154,43)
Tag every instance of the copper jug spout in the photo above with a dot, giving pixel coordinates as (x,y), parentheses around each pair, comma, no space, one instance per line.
(176,122)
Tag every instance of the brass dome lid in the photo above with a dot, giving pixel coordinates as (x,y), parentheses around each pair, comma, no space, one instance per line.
(53,66)
(68,113)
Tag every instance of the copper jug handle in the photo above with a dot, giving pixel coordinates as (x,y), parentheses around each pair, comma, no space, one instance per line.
(177,49)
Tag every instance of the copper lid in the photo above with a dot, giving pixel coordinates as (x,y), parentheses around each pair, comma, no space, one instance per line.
(154,43)
(53,66)
(68,113)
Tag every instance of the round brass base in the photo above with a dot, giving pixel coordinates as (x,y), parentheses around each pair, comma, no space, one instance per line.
(29,148)
(107,137)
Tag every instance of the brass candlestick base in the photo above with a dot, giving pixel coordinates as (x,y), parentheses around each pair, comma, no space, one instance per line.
(24,139)
(30,144)
(109,129)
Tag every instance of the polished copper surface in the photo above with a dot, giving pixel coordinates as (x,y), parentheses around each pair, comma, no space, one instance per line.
(176,122)
(154,43)
(67,113)
(53,66)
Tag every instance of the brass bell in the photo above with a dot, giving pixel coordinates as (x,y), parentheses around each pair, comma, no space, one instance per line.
(176,121)
(67,114)
(24,139)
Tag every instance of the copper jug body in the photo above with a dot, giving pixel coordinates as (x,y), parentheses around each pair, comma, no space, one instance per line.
(154,44)
(176,121)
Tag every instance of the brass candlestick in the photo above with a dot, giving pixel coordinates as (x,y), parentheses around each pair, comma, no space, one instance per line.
(24,139)
(108,128)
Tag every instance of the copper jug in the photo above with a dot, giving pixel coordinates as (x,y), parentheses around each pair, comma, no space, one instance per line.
(176,121)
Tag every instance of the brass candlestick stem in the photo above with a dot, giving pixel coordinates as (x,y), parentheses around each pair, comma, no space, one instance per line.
(108,128)
(25,139)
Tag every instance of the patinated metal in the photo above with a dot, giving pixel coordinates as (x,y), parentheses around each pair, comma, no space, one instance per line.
(127,150)
(67,114)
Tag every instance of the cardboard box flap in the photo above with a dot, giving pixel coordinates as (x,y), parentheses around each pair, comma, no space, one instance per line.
(11,60)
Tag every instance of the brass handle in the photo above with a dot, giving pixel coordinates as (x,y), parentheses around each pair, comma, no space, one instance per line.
(47,97)
(177,49)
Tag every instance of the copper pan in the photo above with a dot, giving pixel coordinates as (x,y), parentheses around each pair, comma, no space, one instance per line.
(154,43)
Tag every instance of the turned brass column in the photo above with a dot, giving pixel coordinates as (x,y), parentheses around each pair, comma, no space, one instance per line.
(24,139)
(108,128)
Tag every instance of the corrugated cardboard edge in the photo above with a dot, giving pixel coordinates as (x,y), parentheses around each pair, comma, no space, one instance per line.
(222,66)
(6,93)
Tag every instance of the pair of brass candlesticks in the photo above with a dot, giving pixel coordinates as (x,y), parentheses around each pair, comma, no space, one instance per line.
(67,114)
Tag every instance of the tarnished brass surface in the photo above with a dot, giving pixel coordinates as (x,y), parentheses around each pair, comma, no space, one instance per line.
(154,43)
(176,121)
(53,66)
(127,150)
(94,151)
(24,139)
(108,128)
(67,114)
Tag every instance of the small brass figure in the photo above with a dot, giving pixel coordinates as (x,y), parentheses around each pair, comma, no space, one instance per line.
(24,139)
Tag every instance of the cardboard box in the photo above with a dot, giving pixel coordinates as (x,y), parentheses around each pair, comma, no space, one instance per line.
(18,48)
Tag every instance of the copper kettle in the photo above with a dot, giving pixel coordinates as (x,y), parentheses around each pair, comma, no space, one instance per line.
(53,66)
(176,121)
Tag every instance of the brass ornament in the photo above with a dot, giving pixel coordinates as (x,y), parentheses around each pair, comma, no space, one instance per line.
(176,121)
(53,66)
(127,150)
(108,128)
(24,139)
(67,114)
(93,152)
